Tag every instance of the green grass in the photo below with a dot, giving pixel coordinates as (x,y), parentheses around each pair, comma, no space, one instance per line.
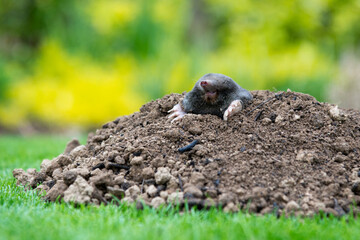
(23,215)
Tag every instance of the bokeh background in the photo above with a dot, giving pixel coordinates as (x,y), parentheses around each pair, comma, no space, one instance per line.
(66,64)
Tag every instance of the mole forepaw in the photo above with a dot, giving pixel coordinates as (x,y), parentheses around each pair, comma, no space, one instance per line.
(176,113)
(234,107)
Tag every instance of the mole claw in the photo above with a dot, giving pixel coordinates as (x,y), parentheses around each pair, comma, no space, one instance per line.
(177,117)
(176,113)
(235,107)
(172,115)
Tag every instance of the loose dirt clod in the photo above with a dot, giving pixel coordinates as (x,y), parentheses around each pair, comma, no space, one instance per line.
(286,153)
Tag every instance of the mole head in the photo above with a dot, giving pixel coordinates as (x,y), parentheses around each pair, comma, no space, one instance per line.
(214,84)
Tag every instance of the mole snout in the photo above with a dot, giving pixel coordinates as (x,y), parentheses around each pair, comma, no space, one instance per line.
(215,94)
(210,89)
(203,83)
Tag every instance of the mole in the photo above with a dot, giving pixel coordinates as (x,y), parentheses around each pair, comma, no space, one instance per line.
(213,93)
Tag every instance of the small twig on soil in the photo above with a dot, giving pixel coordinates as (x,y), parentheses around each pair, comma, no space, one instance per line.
(142,186)
(258,115)
(180,183)
(98,196)
(276,210)
(277,96)
(99,165)
(257,135)
(277,160)
(338,208)
(118,166)
(188,147)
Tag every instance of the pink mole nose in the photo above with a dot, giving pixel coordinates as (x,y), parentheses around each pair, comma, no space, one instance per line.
(203,83)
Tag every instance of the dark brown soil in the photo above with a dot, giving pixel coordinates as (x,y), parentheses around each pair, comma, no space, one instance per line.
(290,154)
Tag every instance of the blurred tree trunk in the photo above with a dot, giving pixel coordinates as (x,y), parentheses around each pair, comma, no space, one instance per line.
(345,90)
(200,31)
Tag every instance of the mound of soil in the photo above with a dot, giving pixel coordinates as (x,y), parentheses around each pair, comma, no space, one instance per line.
(285,153)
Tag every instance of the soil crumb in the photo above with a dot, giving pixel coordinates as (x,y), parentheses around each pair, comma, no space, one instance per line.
(286,153)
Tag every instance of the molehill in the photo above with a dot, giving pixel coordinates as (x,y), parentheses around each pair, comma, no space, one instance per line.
(286,153)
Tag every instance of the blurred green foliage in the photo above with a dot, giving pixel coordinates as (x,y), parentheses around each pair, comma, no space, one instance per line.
(83,63)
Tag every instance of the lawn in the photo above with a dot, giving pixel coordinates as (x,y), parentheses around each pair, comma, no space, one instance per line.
(23,215)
